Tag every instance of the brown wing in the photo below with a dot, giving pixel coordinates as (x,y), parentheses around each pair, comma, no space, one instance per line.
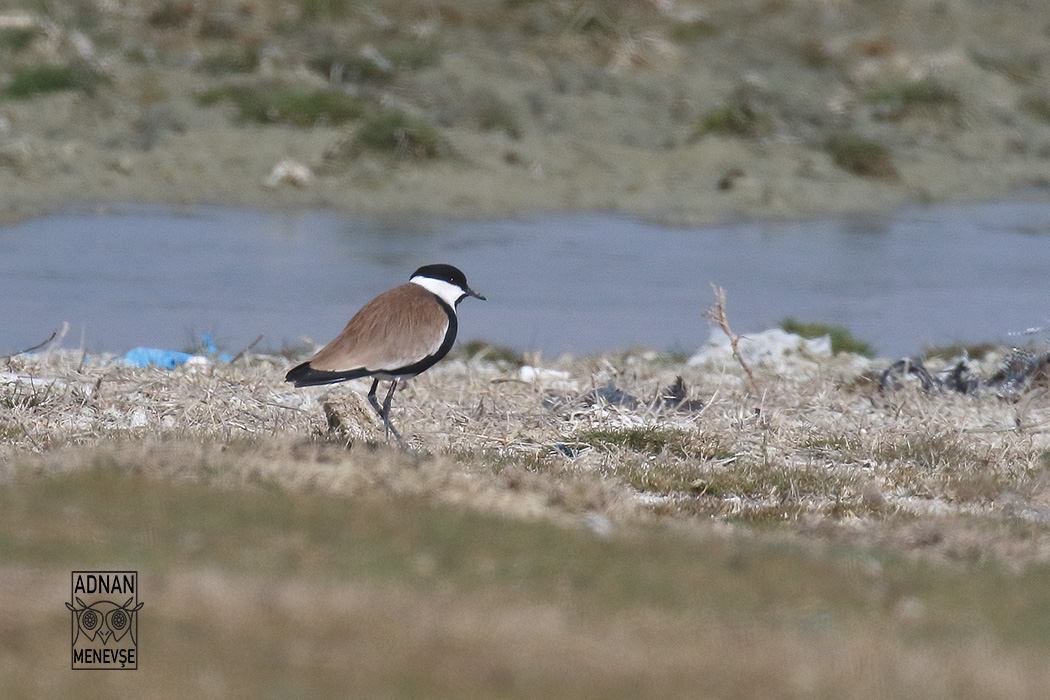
(396,329)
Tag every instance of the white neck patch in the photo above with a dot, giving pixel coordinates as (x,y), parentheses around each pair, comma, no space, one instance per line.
(448,292)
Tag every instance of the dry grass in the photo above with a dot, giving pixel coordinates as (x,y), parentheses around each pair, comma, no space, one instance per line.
(824,448)
(806,541)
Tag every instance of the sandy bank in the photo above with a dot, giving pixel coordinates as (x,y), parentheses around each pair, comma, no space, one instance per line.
(688,113)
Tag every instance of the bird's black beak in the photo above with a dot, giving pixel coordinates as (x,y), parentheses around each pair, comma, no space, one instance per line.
(472,293)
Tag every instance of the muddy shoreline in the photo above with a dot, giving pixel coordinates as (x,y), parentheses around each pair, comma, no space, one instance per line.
(682,113)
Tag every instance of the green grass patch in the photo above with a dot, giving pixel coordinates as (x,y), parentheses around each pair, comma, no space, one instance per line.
(661,477)
(976,351)
(861,156)
(1037,105)
(216,27)
(941,456)
(651,441)
(733,119)
(827,443)
(292,106)
(233,59)
(790,486)
(30,81)
(841,339)
(483,350)
(11,431)
(314,10)
(18,38)
(353,68)
(171,14)
(905,98)
(399,134)
(693,30)
(955,470)
(393,58)
(656,459)
(411,55)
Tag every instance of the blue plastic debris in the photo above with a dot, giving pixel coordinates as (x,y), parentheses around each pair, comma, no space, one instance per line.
(210,348)
(146,357)
(169,359)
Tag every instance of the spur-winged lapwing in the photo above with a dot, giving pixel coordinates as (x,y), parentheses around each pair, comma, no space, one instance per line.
(395,336)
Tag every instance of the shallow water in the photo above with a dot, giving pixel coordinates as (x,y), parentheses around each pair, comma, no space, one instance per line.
(132,275)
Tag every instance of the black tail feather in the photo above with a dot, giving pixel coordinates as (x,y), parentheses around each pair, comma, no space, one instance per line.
(305,375)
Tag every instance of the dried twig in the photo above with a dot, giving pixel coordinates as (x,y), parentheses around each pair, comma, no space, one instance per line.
(35,347)
(246,350)
(717,314)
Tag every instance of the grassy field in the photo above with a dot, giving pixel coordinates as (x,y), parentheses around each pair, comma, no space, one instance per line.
(816,538)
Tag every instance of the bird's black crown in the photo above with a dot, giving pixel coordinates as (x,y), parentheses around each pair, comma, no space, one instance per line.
(441,271)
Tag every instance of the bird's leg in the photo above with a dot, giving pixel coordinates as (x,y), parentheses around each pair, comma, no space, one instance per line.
(372,398)
(384,410)
(386,415)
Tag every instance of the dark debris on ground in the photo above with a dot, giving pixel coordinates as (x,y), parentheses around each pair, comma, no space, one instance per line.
(674,397)
(1019,372)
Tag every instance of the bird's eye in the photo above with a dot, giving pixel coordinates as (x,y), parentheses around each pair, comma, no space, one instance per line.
(118,619)
(89,620)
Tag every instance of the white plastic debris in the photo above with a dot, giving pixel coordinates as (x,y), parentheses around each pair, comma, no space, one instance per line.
(548,377)
(536,374)
(138,418)
(33,382)
(774,347)
(289,171)
(598,524)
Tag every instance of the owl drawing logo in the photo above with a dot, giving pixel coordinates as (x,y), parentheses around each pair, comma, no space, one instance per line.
(105,620)
(104,630)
